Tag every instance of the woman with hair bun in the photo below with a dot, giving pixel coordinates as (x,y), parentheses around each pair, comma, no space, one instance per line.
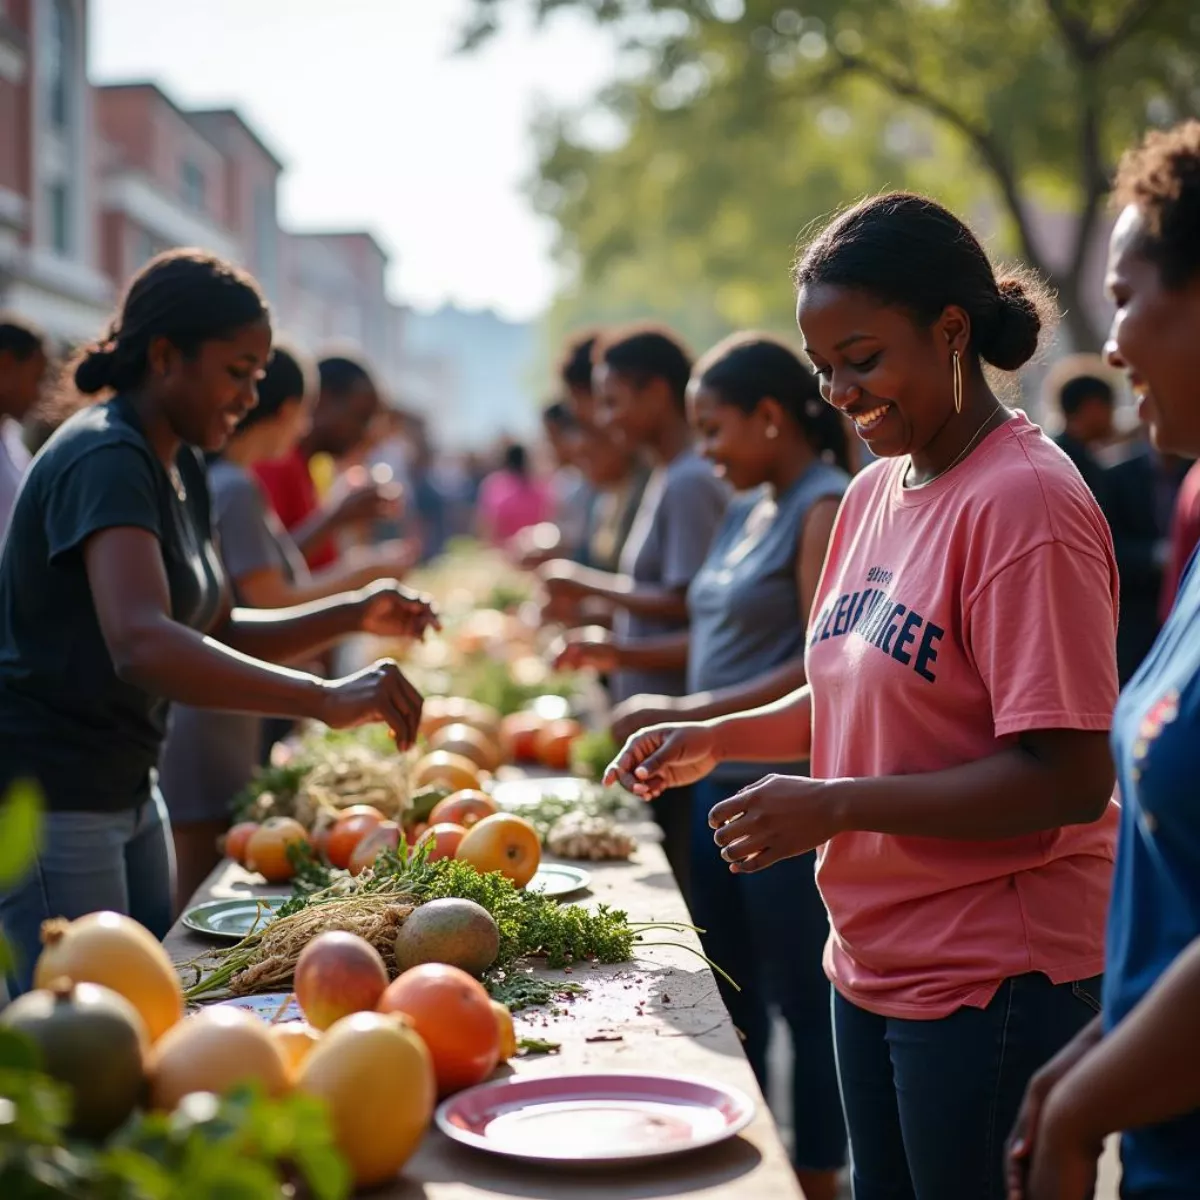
(113,601)
(961,679)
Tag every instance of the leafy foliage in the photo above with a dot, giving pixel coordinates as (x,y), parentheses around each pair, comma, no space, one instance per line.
(744,120)
(244,1147)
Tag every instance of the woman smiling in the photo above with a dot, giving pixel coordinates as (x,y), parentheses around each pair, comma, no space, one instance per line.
(962,674)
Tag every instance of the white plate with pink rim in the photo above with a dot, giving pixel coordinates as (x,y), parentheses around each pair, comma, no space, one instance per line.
(594,1120)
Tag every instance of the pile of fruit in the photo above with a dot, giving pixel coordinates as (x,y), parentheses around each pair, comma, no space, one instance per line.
(107,1019)
(465,824)
(343,798)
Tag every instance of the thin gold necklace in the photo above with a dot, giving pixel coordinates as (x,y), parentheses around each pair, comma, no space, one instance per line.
(916,487)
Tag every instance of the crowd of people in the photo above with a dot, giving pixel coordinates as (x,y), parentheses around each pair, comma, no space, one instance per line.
(912,690)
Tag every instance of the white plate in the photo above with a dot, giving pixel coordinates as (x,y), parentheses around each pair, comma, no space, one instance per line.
(516,794)
(557,880)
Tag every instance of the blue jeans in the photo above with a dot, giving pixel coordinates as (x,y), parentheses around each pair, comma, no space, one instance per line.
(768,931)
(929,1104)
(119,861)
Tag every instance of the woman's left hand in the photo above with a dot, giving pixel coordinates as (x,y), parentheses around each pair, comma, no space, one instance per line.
(386,609)
(1064,1162)
(778,817)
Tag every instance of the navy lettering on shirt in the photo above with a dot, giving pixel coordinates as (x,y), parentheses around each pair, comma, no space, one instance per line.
(883,622)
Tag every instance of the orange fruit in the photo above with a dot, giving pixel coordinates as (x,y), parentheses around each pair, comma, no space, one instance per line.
(439,711)
(375,1075)
(267,848)
(464,808)
(518,736)
(443,840)
(236,839)
(508,1035)
(453,1014)
(348,829)
(503,842)
(294,1040)
(385,836)
(554,741)
(469,742)
(450,770)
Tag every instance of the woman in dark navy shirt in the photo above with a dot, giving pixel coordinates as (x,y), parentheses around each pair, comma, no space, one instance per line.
(113,601)
(1136,1069)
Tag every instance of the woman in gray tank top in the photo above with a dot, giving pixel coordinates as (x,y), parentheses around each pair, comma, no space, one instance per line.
(761,421)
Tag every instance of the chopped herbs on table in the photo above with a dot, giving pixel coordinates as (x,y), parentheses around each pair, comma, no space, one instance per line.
(526,1047)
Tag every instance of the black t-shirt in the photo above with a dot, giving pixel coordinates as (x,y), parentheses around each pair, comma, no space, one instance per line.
(66,720)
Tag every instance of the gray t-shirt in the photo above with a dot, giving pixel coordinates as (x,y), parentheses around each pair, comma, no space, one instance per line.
(209,756)
(744,603)
(680,510)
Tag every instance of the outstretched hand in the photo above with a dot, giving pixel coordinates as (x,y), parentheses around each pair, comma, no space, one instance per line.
(663,757)
(388,609)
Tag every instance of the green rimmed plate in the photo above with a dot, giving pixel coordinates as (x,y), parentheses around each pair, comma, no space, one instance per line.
(232,920)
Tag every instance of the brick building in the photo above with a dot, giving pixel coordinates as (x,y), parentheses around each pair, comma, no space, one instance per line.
(164,182)
(49,214)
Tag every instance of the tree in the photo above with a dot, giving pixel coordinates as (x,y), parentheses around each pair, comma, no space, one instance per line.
(734,112)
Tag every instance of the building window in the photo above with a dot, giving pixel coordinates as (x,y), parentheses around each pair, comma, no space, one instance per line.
(58,217)
(58,53)
(192,186)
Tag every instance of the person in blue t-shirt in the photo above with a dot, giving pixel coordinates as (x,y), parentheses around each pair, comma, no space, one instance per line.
(1136,1068)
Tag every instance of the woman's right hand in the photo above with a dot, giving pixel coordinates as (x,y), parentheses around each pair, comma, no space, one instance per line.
(664,757)
(379,692)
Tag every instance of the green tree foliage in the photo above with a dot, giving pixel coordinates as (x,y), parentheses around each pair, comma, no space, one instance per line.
(742,121)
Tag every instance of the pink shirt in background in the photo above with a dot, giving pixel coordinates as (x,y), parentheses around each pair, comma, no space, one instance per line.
(948,620)
(509,503)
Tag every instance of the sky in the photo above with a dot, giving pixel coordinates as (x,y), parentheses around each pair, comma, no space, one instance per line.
(381,126)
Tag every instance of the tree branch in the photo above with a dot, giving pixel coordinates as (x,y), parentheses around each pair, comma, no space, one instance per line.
(981,139)
(1086,44)
(1126,25)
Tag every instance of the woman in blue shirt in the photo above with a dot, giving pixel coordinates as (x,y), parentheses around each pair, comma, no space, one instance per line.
(1136,1069)
(760,420)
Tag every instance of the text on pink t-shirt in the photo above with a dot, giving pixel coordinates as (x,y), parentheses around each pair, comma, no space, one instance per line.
(949,619)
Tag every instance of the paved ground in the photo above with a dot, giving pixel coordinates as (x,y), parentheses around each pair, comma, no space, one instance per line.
(781,1053)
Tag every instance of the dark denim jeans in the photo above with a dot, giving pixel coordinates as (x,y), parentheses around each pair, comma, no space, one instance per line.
(119,861)
(929,1104)
(768,931)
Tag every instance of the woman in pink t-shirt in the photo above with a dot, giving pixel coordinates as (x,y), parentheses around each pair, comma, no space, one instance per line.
(962,677)
(510,500)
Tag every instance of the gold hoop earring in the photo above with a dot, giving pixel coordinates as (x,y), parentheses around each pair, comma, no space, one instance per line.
(772,431)
(958,388)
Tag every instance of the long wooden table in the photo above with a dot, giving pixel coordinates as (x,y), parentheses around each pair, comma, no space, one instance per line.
(660,1014)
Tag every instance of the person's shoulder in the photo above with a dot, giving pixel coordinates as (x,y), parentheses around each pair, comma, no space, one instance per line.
(690,473)
(230,484)
(1028,491)
(98,429)
(825,480)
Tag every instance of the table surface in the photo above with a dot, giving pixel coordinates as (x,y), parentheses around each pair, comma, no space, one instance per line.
(660,1014)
